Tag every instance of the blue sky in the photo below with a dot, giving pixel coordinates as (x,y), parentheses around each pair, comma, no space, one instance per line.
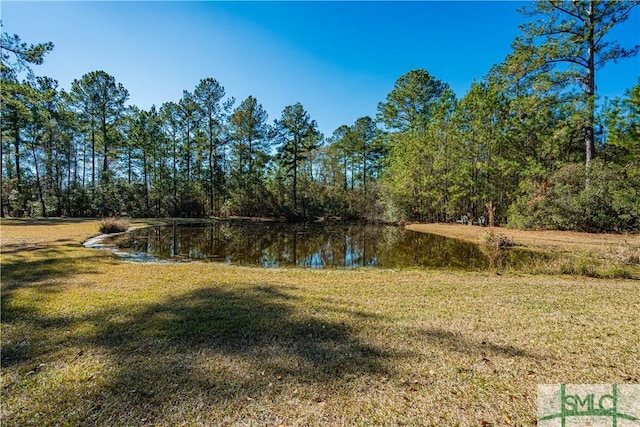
(339,59)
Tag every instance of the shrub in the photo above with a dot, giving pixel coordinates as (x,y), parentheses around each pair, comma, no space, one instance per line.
(563,200)
(627,254)
(497,240)
(114,225)
(494,247)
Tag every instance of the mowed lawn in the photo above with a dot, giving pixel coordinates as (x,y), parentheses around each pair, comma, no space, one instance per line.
(88,339)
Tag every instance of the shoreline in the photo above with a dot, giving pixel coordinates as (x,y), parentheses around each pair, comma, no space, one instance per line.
(547,240)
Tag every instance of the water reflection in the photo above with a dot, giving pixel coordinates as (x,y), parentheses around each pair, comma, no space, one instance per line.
(326,245)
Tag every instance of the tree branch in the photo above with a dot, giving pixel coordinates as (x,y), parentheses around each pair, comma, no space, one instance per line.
(615,21)
(556,5)
(564,31)
(578,61)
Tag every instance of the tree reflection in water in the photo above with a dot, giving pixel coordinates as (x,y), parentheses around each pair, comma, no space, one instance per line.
(315,245)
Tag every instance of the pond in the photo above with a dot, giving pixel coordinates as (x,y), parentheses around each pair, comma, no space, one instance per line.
(314,245)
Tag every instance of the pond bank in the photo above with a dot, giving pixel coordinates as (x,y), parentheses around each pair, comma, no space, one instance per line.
(87,338)
(590,254)
(533,239)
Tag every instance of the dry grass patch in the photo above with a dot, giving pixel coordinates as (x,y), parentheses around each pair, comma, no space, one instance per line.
(88,339)
(114,225)
(585,254)
(542,239)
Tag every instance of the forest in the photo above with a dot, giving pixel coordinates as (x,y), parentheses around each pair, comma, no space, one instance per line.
(530,145)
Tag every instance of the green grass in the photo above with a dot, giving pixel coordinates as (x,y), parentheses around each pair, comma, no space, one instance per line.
(88,339)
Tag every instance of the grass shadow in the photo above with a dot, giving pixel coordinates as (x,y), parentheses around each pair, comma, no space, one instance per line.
(260,323)
(212,346)
(458,343)
(42,272)
(50,264)
(8,222)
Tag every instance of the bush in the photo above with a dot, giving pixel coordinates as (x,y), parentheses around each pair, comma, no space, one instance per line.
(114,225)
(497,240)
(494,246)
(609,202)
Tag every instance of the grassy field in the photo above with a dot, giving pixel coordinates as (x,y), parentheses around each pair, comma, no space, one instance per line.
(88,339)
(587,254)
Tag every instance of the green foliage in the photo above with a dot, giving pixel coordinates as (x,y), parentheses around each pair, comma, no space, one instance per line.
(565,46)
(562,201)
(250,148)
(511,149)
(299,136)
(99,102)
(17,55)
(212,112)
(622,119)
(418,141)
(410,105)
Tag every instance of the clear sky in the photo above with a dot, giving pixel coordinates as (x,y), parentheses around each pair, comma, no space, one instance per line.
(339,59)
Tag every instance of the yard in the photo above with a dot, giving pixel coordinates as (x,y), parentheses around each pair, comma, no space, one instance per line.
(90,339)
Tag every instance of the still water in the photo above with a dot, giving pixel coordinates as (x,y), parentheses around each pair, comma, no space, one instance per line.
(315,245)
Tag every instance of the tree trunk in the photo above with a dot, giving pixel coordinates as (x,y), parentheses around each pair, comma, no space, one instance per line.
(188,149)
(590,83)
(174,175)
(17,158)
(211,180)
(105,141)
(129,165)
(38,183)
(364,175)
(346,172)
(84,165)
(146,181)
(50,164)
(295,174)
(18,168)
(250,144)
(1,176)
(93,158)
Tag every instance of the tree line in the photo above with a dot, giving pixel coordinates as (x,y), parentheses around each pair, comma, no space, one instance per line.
(528,145)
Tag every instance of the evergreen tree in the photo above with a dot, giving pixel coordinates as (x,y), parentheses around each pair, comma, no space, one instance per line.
(299,135)
(409,105)
(250,150)
(100,102)
(213,111)
(250,134)
(565,47)
(16,57)
(170,118)
(414,114)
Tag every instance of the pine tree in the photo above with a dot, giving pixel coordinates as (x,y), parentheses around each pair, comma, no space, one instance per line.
(16,57)
(100,102)
(299,135)
(567,45)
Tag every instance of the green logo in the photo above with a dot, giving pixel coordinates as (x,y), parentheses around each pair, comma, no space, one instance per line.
(589,405)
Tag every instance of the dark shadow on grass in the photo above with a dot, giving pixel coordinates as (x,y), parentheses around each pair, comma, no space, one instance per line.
(8,222)
(207,348)
(219,346)
(50,267)
(15,248)
(45,273)
(458,343)
(255,321)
